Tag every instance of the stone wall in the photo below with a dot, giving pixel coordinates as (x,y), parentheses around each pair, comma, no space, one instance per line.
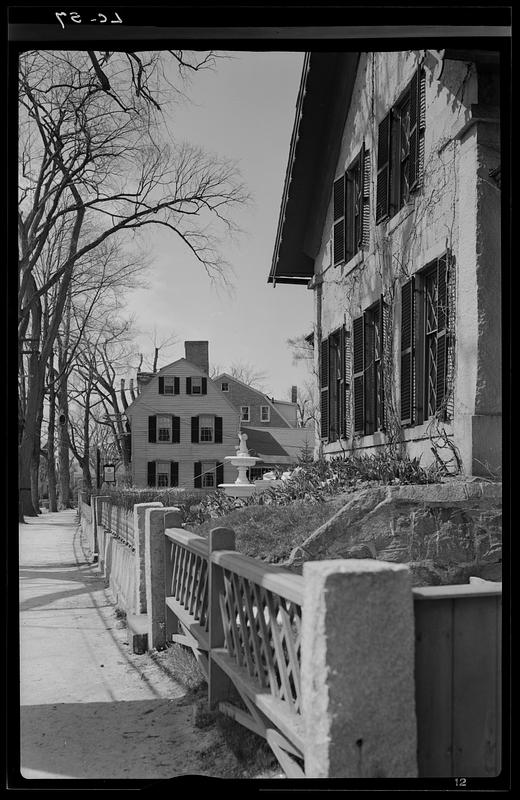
(444,532)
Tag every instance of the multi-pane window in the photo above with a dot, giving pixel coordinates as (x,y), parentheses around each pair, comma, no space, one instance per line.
(207,425)
(335,385)
(368,369)
(224,386)
(351,209)
(206,428)
(244,413)
(164,428)
(426,344)
(400,149)
(163,473)
(208,474)
(168,384)
(265,414)
(196,385)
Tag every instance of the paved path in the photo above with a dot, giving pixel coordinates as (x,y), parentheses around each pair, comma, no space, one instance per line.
(90,707)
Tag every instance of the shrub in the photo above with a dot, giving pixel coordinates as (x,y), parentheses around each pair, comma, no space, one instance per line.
(127,497)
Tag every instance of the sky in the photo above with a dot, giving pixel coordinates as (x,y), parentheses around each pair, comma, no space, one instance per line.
(243,109)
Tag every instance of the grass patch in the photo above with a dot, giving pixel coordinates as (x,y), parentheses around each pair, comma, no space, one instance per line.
(271,532)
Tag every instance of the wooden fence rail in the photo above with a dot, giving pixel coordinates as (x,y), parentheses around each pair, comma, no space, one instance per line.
(243,620)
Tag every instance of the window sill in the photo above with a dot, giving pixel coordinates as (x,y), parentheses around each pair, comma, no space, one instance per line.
(393,223)
(354,262)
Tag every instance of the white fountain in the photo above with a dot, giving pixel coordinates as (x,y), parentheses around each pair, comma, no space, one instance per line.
(242,460)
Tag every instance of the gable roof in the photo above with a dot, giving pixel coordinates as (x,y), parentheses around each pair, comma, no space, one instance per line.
(263,395)
(321,110)
(262,444)
(196,369)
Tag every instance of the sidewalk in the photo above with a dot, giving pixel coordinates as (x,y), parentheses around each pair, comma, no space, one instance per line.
(90,707)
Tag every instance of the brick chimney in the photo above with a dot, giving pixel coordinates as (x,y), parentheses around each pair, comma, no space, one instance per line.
(294,394)
(198,353)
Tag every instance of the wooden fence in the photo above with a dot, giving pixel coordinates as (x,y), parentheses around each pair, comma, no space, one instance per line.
(458,669)
(243,620)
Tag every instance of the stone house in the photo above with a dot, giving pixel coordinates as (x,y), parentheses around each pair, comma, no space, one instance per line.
(391,215)
(182,426)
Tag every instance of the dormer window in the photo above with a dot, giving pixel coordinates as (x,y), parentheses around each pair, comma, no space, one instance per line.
(168,384)
(197,384)
(224,386)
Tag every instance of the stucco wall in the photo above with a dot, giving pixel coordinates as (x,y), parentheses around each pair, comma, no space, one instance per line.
(458,209)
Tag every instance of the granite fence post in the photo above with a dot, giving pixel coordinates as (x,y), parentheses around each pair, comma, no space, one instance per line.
(156,522)
(139,533)
(358,670)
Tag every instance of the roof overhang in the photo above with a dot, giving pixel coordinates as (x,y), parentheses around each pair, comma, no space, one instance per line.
(321,109)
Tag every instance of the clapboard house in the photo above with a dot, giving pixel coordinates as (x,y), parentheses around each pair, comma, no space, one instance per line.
(391,215)
(182,426)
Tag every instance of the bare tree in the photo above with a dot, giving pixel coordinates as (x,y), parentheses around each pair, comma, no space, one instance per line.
(94,166)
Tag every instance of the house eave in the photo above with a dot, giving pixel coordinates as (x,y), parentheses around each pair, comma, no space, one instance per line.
(321,109)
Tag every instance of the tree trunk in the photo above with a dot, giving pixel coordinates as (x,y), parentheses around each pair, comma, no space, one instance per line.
(51,433)
(35,384)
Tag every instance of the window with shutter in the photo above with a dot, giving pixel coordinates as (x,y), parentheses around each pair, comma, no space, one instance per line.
(206,429)
(368,370)
(164,428)
(163,474)
(434,360)
(324,390)
(161,385)
(220,473)
(407,352)
(338,227)
(169,384)
(400,153)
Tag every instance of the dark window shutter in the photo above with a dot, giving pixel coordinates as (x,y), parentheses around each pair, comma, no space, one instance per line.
(161,385)
(338,228)
(176,430)
(176,385)
(218,430)
(348,384)
(407,352)
(342,393)
(197,475)
(324,381)
(174,473)
(204,385)
(442,323)
(370,372)
(194,430)
(128,446)
(417,120)
(151,473)
(358,375)
(152,429)
(365,180)
(382,422)
(383,169)
(188,385)
(413,161)
(220,472)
